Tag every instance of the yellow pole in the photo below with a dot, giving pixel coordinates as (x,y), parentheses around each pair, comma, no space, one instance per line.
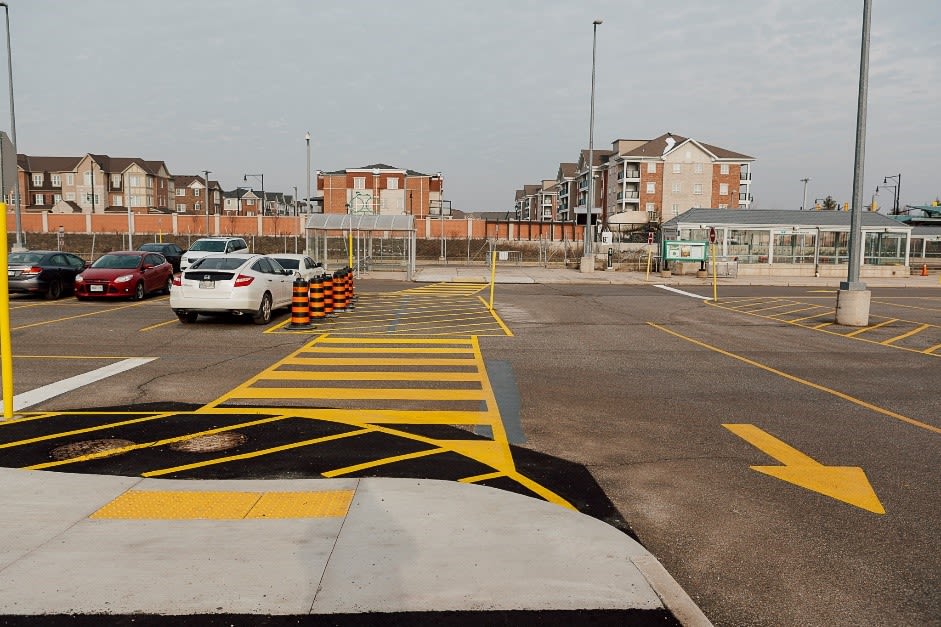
(351,248)
(715,287)
(649,257)
(6,348)
(493,274)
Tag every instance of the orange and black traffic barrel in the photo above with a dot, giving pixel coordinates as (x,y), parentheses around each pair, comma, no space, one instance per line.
(300,305)
(339,291)
(317,312)
(350,306)
(328,296)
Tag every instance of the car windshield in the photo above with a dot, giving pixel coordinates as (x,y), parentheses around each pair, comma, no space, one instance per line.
(290,264)
(152,247)
(120,262)
(218,263)
(24,258)
(208,246)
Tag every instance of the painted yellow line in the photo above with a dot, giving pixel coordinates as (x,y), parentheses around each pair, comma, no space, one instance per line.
(821,291)
(84,315)
(894,304)
(778,306)
(483,477)
(870,328)
(381,394)
(379,375)
(816,386)
(825,324)
(423,350)
(536,488)
(826,311)
(378,416)
(158,325)
(784,313)
(905,335)
(931,351)
(65,434)
(339,472)
(365,361)
(154,443)
(391,340)
(184,505)
(253,454)
(496,317)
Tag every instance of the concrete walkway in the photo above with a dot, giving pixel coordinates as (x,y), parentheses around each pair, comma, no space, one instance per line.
(87,544)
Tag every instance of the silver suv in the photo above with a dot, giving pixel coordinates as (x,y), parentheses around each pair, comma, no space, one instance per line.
(206,245)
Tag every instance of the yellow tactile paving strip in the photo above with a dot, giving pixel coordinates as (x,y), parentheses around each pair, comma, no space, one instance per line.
(183,505)
(908,335)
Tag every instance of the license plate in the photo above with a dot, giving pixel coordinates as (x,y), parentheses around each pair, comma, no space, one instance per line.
(96,288)
(207,285)
(11,272)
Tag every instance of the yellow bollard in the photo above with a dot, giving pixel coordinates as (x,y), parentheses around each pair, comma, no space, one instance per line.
(6,347)
(493,274)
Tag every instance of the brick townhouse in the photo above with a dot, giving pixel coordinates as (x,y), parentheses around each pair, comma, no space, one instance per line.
(538,202)
(94,184)
(382,189)
(191,195)
(647,181)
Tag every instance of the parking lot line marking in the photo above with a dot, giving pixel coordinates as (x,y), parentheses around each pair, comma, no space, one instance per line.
(826,311)
(396,394)
(825,324)
(353,361)
(483,477)
(45,392)
(869,328)
(905,335)
(325,348)
(82,357)
(790,311)
(154,443)
(496,317)
(158,325)
(931,351)
(377,375)
(253,454)
(681,292)
(64,434)
(332,339)
(790,377)
(83,315)
(339,472)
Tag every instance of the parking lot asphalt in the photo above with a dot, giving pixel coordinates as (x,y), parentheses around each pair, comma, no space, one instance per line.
(134,533)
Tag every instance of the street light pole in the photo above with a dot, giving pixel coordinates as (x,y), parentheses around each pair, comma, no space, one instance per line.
(591,158)
(898,185)
(16,179)
(263,199)
(307,139)
(804,202)
(208,196)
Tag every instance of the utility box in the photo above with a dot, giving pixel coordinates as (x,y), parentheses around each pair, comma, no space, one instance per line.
(7,165)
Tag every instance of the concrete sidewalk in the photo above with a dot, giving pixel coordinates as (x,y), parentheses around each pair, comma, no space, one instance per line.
(538,274)
(73,545)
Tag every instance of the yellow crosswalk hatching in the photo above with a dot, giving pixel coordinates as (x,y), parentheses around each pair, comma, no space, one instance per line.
(908,335)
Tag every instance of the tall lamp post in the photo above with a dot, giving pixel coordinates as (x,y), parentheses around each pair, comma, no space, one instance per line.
(263,198)
(307,139)
(16,179)
(804,202)
(898,186)
(588,262)
(208,201)
(295,201)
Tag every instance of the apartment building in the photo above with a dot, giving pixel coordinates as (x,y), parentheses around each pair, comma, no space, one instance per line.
(566,191)
(381,189)
(537,202)
(192,195)
(94,184)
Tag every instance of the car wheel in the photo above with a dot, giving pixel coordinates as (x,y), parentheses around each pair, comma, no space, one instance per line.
(54,291)
(188,317)
(169,285)
(264,310)
(139,291)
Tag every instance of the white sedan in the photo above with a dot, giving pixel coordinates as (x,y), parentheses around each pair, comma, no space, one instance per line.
(302,265)
(239,284)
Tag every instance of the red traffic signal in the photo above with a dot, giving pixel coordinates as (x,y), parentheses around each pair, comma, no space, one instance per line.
(712,235)
(650,237)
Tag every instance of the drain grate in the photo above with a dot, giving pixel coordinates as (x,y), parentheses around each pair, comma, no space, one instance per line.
(88,447)
(211,443)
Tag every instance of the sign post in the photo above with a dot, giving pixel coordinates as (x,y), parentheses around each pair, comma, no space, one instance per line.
(712,244)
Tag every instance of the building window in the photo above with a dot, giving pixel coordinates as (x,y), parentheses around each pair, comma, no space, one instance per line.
(87,178)
(677,188)
(250,202)
(115,180)
(181,191)
(724,168)
(181,207)
(135,181)
(676,210)
(70,196)
(117,200)
(196,192)
(392,183)
(723,189)
(70,179)
(39,199)
(652,167)
(37,180)
(88,198)
(697,168)
(56,180)
(723,206)
(56,198)
(677,168)
(697,189)
(651,188)
(651,207)
(359,182)
(197,207)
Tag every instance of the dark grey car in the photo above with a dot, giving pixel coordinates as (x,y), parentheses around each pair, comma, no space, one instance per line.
(50,273)
(171,251)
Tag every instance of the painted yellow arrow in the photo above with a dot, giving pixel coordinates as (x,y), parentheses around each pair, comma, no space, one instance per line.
(843,483)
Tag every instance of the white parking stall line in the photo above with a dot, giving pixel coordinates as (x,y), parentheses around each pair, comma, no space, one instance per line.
(681,292)
(40,394)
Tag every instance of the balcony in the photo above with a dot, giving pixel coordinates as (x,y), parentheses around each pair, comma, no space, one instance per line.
(629,175)
(630,195)
(744,177)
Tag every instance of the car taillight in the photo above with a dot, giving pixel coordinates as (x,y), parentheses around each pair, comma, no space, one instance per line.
(177,281)
(243,279)
(33,270)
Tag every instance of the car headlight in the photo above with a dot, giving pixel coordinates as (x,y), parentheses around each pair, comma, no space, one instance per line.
(79,278)
(124,278)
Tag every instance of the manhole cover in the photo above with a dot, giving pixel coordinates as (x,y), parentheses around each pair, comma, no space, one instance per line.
(87,447)
(211,443)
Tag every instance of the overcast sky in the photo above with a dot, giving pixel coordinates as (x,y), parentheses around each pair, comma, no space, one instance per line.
(493,93)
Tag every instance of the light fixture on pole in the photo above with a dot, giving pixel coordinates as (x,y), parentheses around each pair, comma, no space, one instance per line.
(295,201)
(263,198)
(804,202)
(307,139)
(589,265)
(18,245)
(898,186)
(208,195)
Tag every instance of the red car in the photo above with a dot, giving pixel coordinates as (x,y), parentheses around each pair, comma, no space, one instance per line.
(125,274)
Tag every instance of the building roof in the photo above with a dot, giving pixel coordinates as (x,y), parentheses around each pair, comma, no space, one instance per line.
(47,164)
(377,166)
(774,218)
(668,142)
(360,222)
(567,170)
